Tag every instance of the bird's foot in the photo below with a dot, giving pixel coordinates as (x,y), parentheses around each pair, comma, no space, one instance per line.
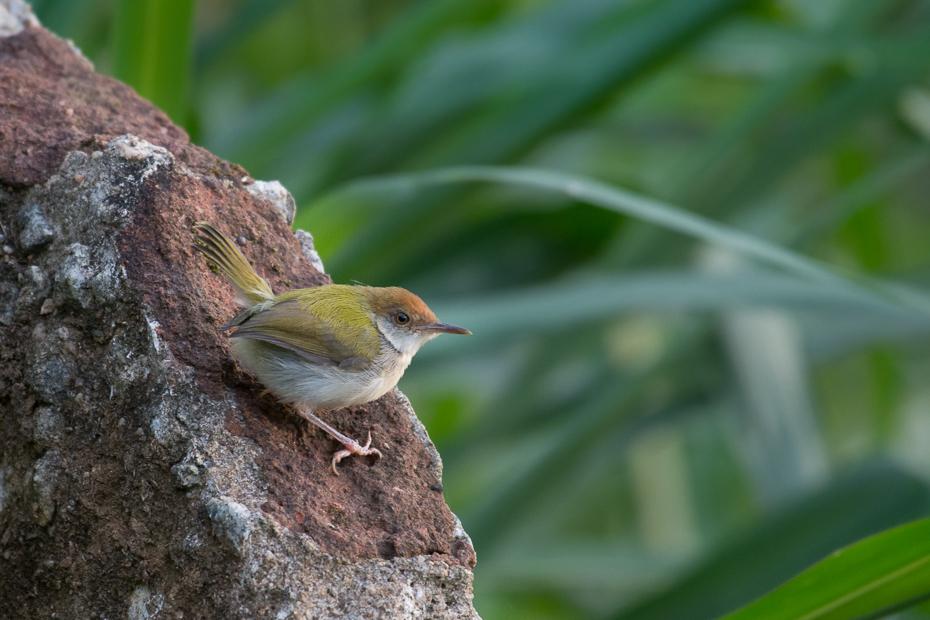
(354,447)
(351,446)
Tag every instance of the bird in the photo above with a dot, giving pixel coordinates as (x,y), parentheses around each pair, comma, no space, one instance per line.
(323,347)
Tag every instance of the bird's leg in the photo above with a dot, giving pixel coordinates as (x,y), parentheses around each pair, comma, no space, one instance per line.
(351,446)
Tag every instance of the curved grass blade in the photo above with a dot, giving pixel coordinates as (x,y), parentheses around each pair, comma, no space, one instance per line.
(851,507)
(596,193)
(868,579)
(593,192)
(555,306)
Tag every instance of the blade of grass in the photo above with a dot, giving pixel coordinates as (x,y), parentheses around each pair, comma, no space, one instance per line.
(248,17)
(858,504)
(868,579)
(780,436)
(583,79)
(741,186)
(519,110)
(639,207)
(152,51)
(510,116)
(307,99)
(885,178)
(821,127)
(604,421)
(555,306)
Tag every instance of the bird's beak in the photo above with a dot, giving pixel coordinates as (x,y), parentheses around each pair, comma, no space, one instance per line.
(446,329)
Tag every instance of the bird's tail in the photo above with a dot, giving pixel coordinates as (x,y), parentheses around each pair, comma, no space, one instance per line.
(251,288)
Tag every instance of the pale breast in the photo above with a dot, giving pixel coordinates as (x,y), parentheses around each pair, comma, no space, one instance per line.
(294,380)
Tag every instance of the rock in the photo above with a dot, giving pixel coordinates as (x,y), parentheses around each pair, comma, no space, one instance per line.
(35,230)
(306,246)
(144,604)
(231,522)
(49,426)
(140,466)
(36,286)
(87,280)
(14,16)
(44,487)
(187,475)
(9,294)
(280,198)
(5,492)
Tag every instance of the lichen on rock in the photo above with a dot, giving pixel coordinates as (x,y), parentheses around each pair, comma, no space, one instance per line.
(274,193)
(14,16)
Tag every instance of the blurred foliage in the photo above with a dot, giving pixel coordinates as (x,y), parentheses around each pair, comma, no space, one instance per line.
(152,51)
(670,405)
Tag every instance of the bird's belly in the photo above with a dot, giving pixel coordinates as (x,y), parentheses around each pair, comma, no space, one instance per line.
(297,381)
(330,388)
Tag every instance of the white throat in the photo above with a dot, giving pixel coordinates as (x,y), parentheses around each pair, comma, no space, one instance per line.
(406,341)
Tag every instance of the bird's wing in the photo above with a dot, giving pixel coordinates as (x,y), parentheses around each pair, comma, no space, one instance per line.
(237,320)
(288,324)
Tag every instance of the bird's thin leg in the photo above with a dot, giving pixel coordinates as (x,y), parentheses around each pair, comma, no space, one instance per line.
(351,446)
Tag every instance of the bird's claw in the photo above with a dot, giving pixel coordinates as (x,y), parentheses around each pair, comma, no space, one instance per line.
(355,448)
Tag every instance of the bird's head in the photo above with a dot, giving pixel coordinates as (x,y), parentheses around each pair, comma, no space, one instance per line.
(404,320)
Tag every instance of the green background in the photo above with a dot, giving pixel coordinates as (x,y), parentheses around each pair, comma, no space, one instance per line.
(654,419)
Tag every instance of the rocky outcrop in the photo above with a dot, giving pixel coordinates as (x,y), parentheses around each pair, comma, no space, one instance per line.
(142,474)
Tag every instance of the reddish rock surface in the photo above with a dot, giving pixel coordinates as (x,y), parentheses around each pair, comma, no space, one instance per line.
(374,508)
(51,103)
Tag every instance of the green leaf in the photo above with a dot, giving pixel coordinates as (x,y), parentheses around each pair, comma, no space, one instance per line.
(575,84)
(619,200)
(896,170)
(595,193)
(152,51)
(554,306)
(870,578)
(309,98)
(859,504)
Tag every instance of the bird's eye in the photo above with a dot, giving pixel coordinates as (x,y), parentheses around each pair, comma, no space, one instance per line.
(401,318)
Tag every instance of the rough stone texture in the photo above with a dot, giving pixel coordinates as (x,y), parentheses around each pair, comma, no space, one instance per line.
(142,474)
(280,198)
(14,16)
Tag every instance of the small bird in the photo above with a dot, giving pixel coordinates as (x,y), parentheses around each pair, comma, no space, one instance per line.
(324,347)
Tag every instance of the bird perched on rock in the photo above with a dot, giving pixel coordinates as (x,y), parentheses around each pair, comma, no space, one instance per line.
(324,347)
